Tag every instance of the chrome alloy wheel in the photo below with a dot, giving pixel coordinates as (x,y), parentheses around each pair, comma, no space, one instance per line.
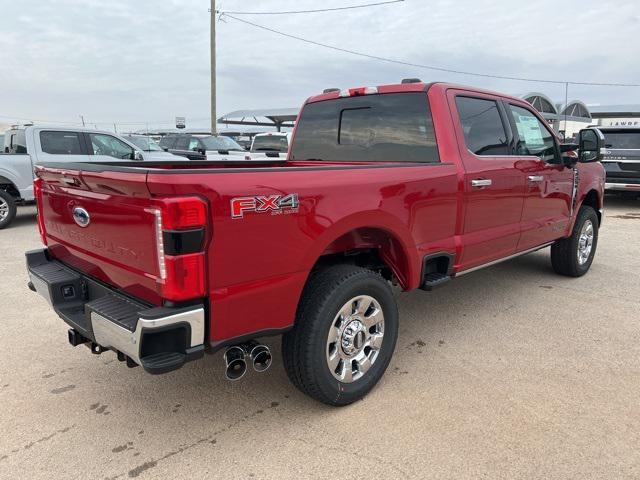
(355,338)
(585,242)
(4,209)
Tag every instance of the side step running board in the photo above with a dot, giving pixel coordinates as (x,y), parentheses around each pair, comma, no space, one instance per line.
(434,280)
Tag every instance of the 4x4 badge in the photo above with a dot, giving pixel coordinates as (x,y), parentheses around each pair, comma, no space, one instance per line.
(264,203)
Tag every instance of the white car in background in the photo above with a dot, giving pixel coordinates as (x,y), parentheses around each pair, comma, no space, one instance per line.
(27,146)
(270,145)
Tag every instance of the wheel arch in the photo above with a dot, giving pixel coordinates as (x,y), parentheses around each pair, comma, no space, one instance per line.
(9,186)
(381,238)
(594,200)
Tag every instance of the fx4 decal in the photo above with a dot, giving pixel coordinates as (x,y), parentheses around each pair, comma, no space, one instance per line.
(276,204)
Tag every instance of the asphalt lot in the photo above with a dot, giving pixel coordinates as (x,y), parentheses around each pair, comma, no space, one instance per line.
(510,372)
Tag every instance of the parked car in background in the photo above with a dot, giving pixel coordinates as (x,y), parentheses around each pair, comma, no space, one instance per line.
(272,144)
(211,147)
(621,159)
(242,139)
(427,182)
(27,146)
(152,150)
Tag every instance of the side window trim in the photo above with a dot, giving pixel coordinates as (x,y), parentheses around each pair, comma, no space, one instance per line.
(85,143)
(508,127)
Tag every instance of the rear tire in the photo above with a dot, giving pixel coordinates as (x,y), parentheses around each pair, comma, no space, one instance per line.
(7,209)
(573,256)
(344,336)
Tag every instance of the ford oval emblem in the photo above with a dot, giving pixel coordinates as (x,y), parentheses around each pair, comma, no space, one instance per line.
(81,217)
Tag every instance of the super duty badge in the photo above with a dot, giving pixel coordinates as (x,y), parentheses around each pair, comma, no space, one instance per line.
(276,204)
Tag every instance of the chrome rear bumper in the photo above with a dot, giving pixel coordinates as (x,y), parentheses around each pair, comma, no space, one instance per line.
(158,338)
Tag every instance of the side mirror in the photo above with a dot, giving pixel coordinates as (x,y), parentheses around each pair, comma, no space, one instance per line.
(591,142)
(138,156)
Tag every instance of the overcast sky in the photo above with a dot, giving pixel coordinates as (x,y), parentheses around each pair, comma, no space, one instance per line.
(148,60)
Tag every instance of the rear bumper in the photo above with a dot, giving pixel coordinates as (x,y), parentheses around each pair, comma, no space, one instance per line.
(157,338)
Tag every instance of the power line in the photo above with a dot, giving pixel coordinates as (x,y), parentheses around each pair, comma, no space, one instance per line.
(418,65)
(316,11)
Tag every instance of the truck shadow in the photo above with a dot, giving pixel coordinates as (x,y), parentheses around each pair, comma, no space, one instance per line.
(200,393)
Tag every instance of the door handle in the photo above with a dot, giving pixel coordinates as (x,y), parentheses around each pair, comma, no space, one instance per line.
(481,182)
(536,178)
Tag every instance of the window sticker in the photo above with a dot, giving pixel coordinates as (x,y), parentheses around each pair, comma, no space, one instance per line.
(529,130)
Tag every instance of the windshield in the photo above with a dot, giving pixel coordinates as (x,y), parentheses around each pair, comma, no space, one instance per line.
(146,144)
(220,143)
(622,140)
(272,143)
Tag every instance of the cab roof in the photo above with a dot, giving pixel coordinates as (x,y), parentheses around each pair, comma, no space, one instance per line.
(411,86)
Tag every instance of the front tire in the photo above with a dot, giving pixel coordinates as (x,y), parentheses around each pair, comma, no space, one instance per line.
(573,256)
(7,209)
(344,336)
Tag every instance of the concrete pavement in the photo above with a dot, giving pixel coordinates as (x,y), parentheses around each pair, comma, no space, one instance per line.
(510,372)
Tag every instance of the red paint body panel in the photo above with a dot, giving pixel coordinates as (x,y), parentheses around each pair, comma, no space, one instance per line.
(257,264)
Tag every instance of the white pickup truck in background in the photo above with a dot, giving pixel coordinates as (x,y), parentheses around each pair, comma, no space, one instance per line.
(27,146)
(270,145)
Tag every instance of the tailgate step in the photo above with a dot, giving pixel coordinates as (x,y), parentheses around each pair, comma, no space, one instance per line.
(117,309)
(163,362)
(64,285)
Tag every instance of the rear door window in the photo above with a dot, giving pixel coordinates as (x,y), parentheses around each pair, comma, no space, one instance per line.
(61,143)
(484,132)
(387,127)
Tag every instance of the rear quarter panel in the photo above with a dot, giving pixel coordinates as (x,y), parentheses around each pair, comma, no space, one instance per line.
(258,264)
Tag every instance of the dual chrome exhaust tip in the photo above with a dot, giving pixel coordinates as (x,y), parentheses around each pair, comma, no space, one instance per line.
(235,358)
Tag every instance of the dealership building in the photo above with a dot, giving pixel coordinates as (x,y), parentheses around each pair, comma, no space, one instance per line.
(569,119)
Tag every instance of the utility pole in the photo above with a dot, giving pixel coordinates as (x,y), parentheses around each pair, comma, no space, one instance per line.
(214,120)
(82,118)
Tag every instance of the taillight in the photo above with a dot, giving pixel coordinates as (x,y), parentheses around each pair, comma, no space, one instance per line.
(180,228)
(37,191)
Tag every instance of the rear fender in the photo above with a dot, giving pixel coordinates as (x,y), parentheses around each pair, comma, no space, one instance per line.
(367,230)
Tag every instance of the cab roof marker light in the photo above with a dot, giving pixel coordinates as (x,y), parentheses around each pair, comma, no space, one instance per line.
(355,92)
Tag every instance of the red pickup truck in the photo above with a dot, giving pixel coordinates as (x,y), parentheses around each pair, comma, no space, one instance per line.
(410,184)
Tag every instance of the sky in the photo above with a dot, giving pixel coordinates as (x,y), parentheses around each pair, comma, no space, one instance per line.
(143,62)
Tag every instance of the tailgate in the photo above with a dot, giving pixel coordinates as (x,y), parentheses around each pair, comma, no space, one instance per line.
(104,225)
